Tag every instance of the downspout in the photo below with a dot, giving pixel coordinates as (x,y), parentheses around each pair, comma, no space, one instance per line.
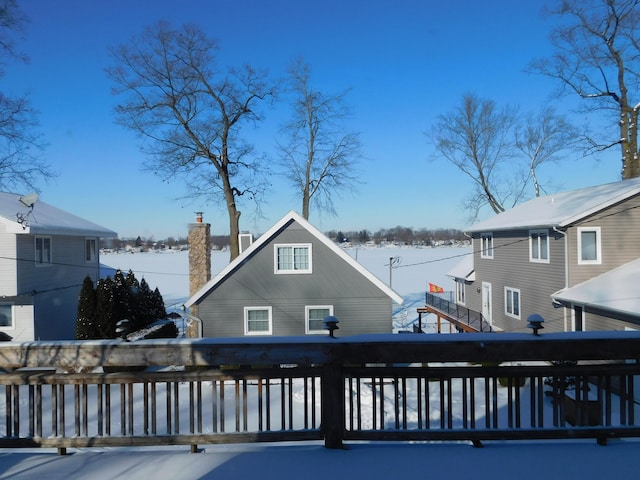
(566,270)
(194,319)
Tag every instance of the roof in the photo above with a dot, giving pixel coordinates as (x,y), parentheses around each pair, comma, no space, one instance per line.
(615,291)
(463,269)
(560,209)
(272,233)
(45,219)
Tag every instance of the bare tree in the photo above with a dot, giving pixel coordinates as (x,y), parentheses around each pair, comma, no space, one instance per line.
(319,157)
(597,56)
(188,113)
(21,143)
(541,138)
(476,137)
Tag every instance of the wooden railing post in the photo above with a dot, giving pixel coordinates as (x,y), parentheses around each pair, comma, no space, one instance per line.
(332,406)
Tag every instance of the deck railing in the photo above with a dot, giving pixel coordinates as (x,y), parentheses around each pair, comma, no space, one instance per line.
(474,320)
(471,387)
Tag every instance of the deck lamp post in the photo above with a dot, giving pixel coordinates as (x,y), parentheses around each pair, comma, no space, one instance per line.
(535,322)
(331,324)
(123,328)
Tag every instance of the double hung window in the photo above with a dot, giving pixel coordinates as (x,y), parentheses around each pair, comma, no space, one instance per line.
(512,302)
(293,258)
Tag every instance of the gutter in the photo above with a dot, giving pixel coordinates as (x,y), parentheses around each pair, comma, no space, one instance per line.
(566,268)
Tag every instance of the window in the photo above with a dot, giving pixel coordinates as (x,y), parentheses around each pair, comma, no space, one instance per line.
(43,250)
(90,249)
(6,316)
(257,321)
(460,298)
(315,315)
(486,240)
(512,302)
(293,258)
(539,246)
(589,246)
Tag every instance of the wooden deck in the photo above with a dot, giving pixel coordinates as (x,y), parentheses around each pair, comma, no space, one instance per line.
(453,321)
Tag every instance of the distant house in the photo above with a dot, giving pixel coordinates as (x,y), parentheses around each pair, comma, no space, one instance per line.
(572,257)
(287,282)
(45,254)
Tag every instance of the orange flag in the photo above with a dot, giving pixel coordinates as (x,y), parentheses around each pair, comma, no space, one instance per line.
(435,288)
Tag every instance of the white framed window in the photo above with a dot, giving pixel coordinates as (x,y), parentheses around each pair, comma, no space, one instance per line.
(90,250)
(512,302)
(257,321)
(486,245)
(539,246)
(6,317)
(460,294)
(292,258)
(314,318)
(43,250)
(589,246)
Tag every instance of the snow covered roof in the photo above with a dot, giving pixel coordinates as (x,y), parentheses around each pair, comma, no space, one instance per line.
(44,219)
(272,232)
(560,209)
(615,291)
(463,269)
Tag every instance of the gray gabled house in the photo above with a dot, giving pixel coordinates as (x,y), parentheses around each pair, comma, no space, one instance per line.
(287,282)
(45,254)
(546,255)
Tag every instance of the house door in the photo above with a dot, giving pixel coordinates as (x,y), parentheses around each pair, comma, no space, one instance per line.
(486,302)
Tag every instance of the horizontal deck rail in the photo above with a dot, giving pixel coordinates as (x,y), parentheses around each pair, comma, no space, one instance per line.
(472,387)
(462,317)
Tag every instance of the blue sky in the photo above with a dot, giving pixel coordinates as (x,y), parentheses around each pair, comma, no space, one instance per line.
(405,61)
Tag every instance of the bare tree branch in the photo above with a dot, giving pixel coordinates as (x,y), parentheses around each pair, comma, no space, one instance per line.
(188,114)
(319,156)
(597,57)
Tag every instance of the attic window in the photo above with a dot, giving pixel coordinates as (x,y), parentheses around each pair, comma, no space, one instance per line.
(292,258)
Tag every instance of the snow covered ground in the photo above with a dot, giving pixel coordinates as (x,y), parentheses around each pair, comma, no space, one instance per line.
(414,268)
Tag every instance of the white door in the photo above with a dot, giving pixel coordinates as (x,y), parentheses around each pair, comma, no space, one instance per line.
(486,302)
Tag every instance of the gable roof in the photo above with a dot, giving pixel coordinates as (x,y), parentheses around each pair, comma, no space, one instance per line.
(615,291)
(273,232)
(560,209)
(45,219)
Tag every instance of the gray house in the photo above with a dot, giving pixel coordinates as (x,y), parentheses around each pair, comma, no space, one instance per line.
(45,254)
(287,282)
(551,254)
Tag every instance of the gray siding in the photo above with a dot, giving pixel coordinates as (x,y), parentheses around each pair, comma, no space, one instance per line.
(511,267)
(360,306)
(55,287)
(620,231)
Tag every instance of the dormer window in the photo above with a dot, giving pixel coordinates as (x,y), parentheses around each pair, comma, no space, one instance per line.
(292,258)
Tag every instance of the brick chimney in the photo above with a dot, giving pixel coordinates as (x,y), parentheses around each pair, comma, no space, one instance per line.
(199,257)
